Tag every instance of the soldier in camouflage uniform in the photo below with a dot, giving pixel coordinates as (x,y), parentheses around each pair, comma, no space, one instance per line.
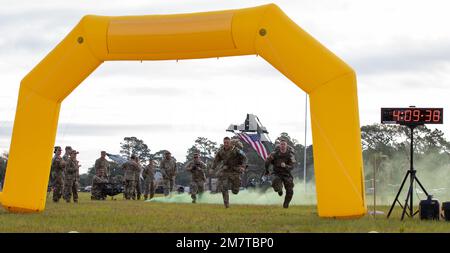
(197,168)
(137,176)
(67,152)
(283,160)
(58,175)
(66,157)
(130,168)
(149,180)
(101,177)
(168,168)
(70,177)
(233,165)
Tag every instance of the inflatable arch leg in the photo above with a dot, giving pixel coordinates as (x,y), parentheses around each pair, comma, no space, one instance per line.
(263,30)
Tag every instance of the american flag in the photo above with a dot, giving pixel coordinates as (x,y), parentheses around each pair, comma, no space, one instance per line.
(254,140)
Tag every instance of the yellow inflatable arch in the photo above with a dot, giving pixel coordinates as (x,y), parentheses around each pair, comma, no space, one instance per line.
(263,30)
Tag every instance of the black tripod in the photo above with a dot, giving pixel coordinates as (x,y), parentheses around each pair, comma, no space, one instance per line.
(411,172)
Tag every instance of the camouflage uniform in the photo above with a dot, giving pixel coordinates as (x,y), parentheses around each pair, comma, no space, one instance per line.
(130,168)
(282,176)
(169,170)
(137,176)
(101,177)
(229,176)
(149,180)
(66,157)
(70,180)
(58,177)
(197,169)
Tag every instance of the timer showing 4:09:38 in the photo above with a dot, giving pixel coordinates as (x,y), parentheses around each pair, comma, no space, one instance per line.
(412,115)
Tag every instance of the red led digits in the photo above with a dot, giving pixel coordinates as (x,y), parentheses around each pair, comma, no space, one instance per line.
(436,115)
(396,115)
(408,115)
(412,116)
(416,115)
(428,115)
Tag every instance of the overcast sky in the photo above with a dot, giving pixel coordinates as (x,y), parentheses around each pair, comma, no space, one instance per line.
(400,51)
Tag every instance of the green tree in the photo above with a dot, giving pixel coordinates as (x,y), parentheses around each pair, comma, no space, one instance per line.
(431,155)
(380,138)
(430,141)
(183,176)
(207,150)
(290,141)
(190,153)
(298,171)
(85,180)
(206,147)
(159,155)
(133,145)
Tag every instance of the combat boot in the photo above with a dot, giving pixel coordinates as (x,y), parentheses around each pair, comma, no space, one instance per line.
(225,199)
(287,199)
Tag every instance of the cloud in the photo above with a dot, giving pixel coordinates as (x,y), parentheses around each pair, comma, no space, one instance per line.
(148,91)
(425,56)
(86,130)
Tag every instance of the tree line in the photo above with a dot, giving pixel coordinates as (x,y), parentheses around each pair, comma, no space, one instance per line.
(207,149)
(385,150)
(386,153)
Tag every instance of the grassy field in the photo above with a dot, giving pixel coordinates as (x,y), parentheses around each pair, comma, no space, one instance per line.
(139,216)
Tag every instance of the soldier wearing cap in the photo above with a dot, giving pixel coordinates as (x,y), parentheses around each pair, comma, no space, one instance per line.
(66,155)
(168,168)
(70,177)
(283,160)
(57,169)
(130,168)
(197,168)
(149,180)
(101,177)
(233,165)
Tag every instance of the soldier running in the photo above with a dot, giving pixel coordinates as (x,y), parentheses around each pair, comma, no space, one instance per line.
(197,168)
(233,166)
(283,160)
(168,168)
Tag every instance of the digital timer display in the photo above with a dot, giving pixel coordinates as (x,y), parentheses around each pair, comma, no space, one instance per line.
(412,116)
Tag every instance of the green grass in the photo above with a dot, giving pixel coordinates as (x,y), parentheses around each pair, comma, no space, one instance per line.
(139,216)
